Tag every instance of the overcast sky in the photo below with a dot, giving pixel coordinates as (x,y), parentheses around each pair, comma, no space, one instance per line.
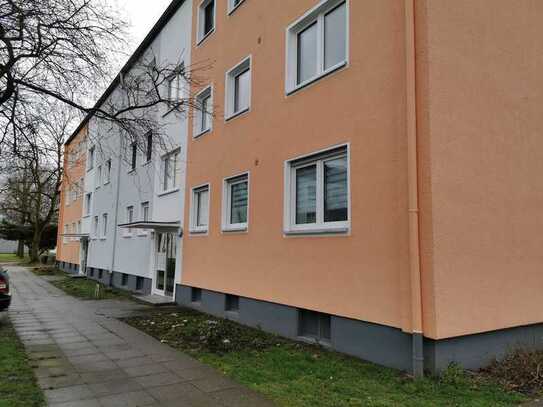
(142,15)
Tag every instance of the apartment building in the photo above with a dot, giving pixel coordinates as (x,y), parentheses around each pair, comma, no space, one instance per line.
(367,179)
(132,191)
(359,173)
(71,241)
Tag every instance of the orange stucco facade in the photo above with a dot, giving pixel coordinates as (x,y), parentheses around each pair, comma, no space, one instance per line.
(363,274)
(480,92)
(477,115)
(71,211)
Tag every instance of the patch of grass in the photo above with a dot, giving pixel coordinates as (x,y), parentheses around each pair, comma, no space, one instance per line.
(18,387)
(299,375)
(11,258)
(86,289)
(47,271)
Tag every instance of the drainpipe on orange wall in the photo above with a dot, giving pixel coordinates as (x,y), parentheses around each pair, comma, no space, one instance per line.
(412,180)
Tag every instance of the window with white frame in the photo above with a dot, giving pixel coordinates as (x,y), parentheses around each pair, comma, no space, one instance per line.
(233,4)
(203,117)
(74,230)
(236,203)
(66,232)
(170,171)
(149,146)
(145,211)
(79,227)
(90,159)
(104,225)
(199,217)
(317,43)
(238,88)
(174,88)
(145,217)
(107,172)
(206,19)
(129,219)
(98,176)
(67,195)
(88,203)
(95,227)
(133,150)
(317,193)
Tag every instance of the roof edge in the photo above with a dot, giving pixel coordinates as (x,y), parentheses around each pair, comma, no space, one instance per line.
(149,38)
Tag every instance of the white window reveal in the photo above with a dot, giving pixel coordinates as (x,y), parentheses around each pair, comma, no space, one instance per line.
(107,172)
(204,112)
(104,225)
(129,219)
(133,150)
(317,198)
(91,157)
(206,19)
(99,176)
(238,89)
(317,43)
(170,171)
(199,219)
(233,4)
(145,217)
(88,203)
(236,203)
(95,227)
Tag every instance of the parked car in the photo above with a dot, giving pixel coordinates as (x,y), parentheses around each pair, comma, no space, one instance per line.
(5,296)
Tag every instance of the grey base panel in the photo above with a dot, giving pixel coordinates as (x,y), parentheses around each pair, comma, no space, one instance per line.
(68,267)
(131,283)
(103,277)
(376,343)
(479,350)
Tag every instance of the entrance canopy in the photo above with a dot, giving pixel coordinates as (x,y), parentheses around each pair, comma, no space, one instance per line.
(174,226)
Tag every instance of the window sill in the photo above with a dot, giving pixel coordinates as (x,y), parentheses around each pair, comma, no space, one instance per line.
(168,192)
(103,238)
(201,133)
(146,163)
(337,230)
(231,229)
(198,231)
(317,78)
(205,37)
(85,216)
(237,114)
(131,171)
(127,236)
(231,10)
(143,234)
(106,183)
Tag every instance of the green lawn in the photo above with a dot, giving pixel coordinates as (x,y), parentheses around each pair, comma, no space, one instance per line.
(18,387)
(86,289)
(10,258)
(299,375)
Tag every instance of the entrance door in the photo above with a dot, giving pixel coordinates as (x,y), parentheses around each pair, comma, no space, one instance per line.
(83,259)
(165,270)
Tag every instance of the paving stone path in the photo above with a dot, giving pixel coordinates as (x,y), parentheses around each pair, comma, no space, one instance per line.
(85,357)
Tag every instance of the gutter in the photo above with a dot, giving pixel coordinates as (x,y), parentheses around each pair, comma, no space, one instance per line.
(413,192)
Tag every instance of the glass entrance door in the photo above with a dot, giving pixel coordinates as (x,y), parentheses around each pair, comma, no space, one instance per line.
(165,272)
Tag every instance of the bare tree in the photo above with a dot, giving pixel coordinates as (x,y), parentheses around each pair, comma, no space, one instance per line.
(63,50)
(31,191)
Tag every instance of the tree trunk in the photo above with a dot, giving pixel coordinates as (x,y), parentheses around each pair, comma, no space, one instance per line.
(20,249)
(35,249)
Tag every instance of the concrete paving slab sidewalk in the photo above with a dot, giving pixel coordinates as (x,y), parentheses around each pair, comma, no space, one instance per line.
(84,357)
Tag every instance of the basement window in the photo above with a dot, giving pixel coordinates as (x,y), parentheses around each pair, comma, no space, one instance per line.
(314,325)
(196,295)
(231,303)
(100,274)
(124,279)
(139,283)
